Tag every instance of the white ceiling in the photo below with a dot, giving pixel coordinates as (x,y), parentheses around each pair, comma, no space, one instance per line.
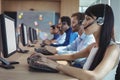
(86,2)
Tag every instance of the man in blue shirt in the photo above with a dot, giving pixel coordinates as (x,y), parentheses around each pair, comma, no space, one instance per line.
(81,42)
(64,24)
(54,31)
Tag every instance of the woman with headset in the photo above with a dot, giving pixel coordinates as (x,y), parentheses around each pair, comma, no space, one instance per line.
(103,56)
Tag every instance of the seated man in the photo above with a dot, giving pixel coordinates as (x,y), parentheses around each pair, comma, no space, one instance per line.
(59,40)
(55,32)
(65,23)
(80,43)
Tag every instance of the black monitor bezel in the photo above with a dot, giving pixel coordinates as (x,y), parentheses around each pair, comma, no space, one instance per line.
(4,37)
(34,34)
(22,34)
(30,31)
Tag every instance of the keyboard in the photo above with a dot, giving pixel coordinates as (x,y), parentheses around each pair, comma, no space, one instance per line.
(43,51)
(36,67)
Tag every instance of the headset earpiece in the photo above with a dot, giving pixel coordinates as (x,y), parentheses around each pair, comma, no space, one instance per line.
(80,22)
(100,21)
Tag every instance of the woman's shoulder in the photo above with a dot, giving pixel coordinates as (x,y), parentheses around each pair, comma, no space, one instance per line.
(114,45)
(113,48)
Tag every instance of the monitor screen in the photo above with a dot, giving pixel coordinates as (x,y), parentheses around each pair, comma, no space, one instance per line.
(23,33)
(34,34)
(31,38)
(9,44)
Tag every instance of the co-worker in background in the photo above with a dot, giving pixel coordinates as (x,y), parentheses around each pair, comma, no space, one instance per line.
(55,32)
(80,43)
(64,24)
(103,56)
(59,40)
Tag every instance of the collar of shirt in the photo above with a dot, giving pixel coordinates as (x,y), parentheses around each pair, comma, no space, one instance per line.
(83,36)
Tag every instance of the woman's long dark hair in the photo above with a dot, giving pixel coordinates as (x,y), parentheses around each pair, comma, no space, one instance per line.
(106,33)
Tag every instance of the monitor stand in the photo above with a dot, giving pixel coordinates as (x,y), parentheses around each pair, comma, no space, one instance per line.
(7,65)
(19,50)
(30,45)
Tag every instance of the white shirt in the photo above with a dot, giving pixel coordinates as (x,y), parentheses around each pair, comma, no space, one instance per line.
(80,43)
(90,58)
(60,39)
(110,75)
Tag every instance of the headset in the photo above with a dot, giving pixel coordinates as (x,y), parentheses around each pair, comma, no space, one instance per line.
(99,20)
(80,22)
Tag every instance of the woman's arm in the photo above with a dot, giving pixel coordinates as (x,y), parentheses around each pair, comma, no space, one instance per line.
(107,64)
(109,61)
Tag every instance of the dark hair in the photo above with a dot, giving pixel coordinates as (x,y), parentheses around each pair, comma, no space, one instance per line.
(66,19)
(106,33)
(80,17)
(52,26)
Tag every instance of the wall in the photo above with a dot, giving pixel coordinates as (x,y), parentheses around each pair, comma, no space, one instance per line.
(68,7)
(29,17)
(25,5)
(0,7)
(116,10)
(64,7)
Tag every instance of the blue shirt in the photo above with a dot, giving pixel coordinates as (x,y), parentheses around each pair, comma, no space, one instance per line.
(60,39)
(80,43)
(73,36)
(67,39)
(55,36)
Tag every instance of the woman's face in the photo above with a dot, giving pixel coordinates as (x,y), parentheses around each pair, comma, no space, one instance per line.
(94,27)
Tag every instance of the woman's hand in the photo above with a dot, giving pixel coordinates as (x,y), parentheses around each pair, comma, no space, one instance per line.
(37,54)
(45,61)
(48,62)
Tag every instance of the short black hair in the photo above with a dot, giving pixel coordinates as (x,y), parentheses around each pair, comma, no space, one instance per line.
(66,19)
(52,26)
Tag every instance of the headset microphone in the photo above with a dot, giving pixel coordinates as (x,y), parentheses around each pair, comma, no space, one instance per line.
(89,24)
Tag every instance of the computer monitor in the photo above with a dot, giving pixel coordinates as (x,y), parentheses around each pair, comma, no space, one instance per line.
(23,38)
(34,34)
(23,34)
(8,40)
(31,38)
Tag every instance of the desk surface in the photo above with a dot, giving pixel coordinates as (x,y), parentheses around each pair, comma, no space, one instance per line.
(21,71)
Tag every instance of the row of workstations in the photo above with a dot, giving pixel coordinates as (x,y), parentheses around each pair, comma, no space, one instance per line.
(9,46)
(10,39)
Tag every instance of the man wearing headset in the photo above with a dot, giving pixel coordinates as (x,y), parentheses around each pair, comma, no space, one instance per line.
(80,43)
(65,24)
